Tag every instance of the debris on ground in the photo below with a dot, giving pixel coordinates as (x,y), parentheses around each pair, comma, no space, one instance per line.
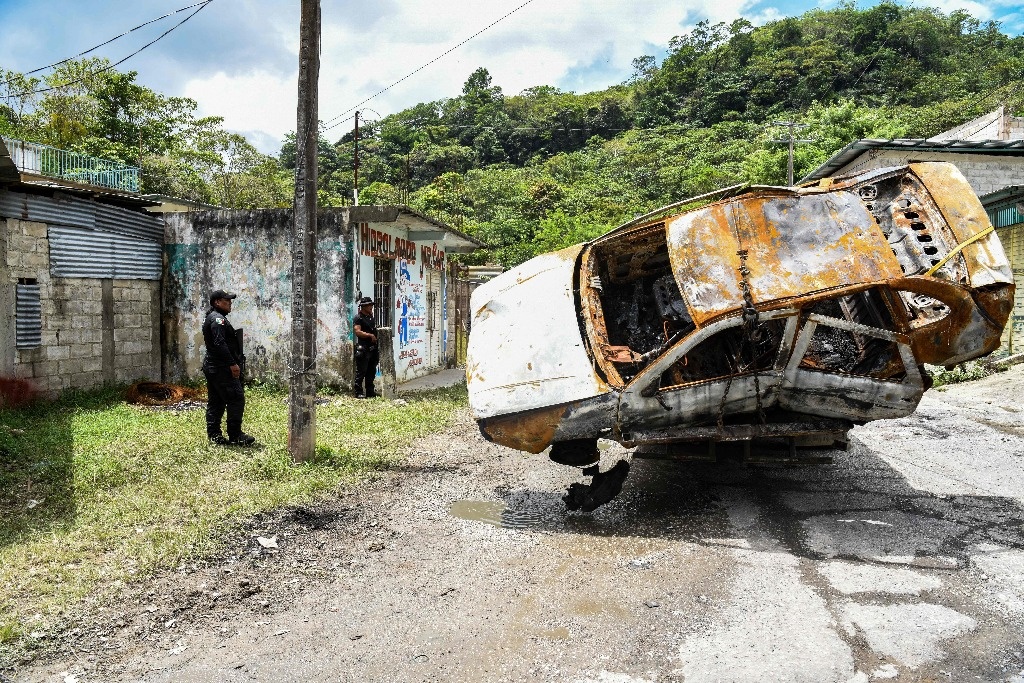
(16,392)
(158,394)
(603,487)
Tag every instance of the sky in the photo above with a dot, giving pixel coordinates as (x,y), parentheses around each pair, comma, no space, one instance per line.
(239,58)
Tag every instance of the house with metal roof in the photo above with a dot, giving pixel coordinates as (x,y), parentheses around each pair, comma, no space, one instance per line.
(989,151)
(80,268)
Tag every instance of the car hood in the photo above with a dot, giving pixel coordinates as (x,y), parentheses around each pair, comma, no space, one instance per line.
(525,346)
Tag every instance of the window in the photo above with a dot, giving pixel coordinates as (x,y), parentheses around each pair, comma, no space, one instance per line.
(383,301)
(28,315)
(835,349)
(728,353)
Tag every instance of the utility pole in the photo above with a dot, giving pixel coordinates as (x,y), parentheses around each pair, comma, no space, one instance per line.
(302,382)
(355,166)
(790,125)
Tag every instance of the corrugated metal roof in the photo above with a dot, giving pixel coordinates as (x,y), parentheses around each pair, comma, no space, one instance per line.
(79,252)
(81,213)
(855,149)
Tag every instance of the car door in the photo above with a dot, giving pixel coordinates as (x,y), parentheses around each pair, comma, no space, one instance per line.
(714,371)
(843,368)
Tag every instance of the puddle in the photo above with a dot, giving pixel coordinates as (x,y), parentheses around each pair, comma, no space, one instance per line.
(495,514)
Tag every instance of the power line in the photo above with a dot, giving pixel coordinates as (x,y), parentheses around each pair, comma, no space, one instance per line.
(201,6)
(421,68)
(117,37)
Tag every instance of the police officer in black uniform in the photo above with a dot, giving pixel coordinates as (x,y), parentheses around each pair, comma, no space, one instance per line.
(367,355)
(222,367)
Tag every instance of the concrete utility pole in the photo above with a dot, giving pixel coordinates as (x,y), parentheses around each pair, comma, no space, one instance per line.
(302,384)
(355,166)
(790,125)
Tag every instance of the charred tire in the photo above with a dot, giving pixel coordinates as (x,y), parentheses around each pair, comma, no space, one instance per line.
(575,452)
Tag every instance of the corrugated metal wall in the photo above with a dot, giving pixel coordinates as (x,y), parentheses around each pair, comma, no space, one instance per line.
(80,213)
(89,239)
(28,314)
(76,252)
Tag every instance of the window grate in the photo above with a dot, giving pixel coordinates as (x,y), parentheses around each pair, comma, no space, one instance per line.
(28,315)
(383,275)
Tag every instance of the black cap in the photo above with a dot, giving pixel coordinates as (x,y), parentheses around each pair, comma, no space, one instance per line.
(221,294)
(365,301)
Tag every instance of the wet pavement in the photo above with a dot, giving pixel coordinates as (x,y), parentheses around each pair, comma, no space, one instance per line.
(903,560)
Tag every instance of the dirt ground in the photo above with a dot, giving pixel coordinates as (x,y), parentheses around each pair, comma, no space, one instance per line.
(903,560)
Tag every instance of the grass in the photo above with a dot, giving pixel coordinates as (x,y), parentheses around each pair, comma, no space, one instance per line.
(95,492)
(964,372)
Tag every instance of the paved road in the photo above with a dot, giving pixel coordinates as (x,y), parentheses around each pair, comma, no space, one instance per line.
(902,561)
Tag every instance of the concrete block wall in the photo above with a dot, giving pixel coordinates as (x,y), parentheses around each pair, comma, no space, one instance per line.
(93,331)
(986,173)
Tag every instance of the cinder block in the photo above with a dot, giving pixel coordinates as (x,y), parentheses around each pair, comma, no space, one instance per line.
(45,368)
(34,229)
(58,352)
(69,367)
(92,364)
(81,350)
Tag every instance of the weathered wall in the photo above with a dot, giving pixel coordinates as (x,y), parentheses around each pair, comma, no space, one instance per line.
(249,252)
(1012,238)
(985,172)
(417,277)
(94,331)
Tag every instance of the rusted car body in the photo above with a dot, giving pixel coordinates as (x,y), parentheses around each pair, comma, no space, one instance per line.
(780,316)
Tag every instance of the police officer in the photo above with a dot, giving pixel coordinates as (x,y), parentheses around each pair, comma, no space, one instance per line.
(367,355)
(222,367)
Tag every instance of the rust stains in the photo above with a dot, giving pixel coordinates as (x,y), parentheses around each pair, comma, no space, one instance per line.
(531,431)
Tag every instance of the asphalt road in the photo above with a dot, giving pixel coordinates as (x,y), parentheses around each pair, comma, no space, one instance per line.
(903,560)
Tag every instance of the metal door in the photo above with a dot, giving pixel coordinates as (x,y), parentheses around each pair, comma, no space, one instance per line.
(435,326)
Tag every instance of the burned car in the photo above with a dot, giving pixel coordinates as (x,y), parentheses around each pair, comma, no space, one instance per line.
(779,317)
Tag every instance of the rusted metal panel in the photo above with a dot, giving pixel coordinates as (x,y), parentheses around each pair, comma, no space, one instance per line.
(526,350)
(986,260)
(796,244)
(531,431)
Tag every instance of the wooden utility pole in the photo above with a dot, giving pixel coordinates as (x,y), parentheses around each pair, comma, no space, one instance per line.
(302,384)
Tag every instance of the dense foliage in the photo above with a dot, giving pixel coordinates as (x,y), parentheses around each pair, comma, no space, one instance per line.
(545,168)
(85,106)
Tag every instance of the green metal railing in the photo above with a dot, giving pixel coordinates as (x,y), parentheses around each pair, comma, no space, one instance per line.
(51,162)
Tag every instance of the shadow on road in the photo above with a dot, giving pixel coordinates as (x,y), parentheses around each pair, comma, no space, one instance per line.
(859,507)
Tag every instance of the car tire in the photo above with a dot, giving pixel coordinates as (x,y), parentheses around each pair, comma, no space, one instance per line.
(575,452)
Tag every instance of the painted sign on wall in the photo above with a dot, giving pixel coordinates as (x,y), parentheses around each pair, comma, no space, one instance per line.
(381,244)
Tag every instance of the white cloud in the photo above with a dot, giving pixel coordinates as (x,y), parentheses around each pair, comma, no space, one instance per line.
(542,43)
(978,10)
(239,60)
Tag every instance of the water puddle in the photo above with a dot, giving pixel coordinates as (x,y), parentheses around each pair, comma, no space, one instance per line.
(495,514)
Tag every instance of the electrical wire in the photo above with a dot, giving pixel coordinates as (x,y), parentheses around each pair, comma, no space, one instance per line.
(201,6)
(331,121)
(117,37)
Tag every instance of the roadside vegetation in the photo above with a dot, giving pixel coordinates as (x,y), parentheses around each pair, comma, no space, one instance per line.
(95,492)
(964,372)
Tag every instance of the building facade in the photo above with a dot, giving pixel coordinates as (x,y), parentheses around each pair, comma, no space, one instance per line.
(392,254)
(79,290)
(1006,211)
